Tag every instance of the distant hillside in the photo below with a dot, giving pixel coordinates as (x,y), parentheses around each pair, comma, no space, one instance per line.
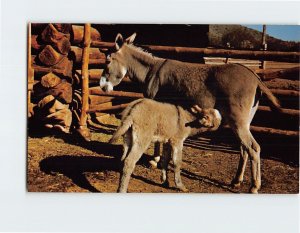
(240,37)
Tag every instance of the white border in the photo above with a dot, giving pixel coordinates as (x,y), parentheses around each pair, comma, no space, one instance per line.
(22,211)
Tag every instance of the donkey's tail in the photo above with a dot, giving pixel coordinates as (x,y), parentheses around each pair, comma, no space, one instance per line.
(122,129)
(272,100)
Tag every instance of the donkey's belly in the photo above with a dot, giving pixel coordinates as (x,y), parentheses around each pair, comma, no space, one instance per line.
(159,139)
(206,100)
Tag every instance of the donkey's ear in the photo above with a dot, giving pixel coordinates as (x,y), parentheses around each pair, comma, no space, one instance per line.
(119,41)
(131,38)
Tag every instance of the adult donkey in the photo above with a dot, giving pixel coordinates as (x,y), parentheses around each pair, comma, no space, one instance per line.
(233,89)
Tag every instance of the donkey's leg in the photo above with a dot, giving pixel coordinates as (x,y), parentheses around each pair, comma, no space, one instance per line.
(236,182)
(255,166)
(165,159)
(177,160)
(126,145)
(249,146)
(156,158)
(139,143)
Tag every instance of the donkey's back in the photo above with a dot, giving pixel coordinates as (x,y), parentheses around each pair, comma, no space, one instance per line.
(152,121)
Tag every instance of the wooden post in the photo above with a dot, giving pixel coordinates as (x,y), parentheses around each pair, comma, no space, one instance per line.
(30,73)
(264,45)
(83,130)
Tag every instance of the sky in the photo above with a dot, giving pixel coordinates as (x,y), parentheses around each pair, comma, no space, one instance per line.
(283,32)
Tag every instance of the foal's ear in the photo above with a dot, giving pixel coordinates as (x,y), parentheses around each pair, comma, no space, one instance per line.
(119,41)
(130,39)
(196,109)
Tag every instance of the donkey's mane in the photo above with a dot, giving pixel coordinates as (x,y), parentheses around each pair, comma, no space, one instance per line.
(141,54)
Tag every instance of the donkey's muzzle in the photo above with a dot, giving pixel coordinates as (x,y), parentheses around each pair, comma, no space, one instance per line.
(103,81)
(105,85)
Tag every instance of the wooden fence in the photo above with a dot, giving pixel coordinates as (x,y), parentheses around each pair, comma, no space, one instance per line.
(280,73)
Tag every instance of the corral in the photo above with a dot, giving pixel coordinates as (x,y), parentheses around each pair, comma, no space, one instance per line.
(65,65)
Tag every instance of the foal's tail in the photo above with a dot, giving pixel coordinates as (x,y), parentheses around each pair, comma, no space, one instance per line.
(126,121)
(272,100)
(122,129)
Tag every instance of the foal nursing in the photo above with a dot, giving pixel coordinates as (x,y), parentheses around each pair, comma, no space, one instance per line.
(145,121)
(233,89)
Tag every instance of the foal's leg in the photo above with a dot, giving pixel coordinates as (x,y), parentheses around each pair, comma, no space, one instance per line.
(130,161)
(165,159)
(248,147)
(177,160)
(156,158)
(126,145)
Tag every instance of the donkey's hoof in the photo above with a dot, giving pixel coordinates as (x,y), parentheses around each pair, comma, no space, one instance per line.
(183,189)
(253,190)
(236,184)
(165,184)
(153,164)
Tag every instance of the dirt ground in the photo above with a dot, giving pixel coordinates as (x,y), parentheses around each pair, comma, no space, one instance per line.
(63,163)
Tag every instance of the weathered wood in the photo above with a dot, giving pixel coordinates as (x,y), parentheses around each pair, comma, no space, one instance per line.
(98,91)
(63,91)
(49,56)
(44,101)
(284,84)
(95,99)
(35,45)
(202,52)
(85,75)
(61,119)
(279,92)
(63,27)
(94,53)
(279,132)
(285,111)
(290,73)
(100,108)
(57,105)
(101,61)
(30,74)
(57,39)
(222,60)
(50,80)
(94,75)
(64,68)
(77,34)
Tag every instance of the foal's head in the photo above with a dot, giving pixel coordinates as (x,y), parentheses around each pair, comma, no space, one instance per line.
(116,68)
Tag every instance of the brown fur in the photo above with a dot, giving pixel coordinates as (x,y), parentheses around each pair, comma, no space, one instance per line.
(145,121)
(233,89)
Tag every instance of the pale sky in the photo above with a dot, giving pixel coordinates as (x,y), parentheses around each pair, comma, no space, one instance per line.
(283,32)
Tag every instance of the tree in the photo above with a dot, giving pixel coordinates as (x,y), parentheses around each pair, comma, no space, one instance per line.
(240,39)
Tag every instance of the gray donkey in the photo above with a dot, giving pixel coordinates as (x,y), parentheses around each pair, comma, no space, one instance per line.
(145,121)
(233,89)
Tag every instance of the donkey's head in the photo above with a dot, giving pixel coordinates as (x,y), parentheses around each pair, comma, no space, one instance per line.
(116,68)
(209,118)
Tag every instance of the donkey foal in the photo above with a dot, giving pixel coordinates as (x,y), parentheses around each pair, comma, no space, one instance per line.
(145,121)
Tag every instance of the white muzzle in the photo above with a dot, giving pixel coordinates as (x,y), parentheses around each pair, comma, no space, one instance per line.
(106,86)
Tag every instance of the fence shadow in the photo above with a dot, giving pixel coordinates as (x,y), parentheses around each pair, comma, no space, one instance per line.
(274,147)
